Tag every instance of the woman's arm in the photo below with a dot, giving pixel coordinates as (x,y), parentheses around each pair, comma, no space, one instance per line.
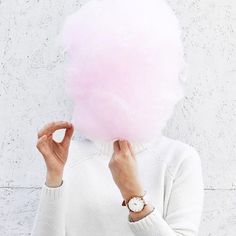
(184,206)
(50,217)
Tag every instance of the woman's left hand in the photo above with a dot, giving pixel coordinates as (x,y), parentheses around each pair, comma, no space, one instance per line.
(123,166)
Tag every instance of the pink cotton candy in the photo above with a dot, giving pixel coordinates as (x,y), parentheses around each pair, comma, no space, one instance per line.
(125,59)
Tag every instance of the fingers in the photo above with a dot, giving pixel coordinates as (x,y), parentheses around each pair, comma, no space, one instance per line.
(131,149)
(116,146)
(42,144)
(124,147)
(68,135)
(50,128)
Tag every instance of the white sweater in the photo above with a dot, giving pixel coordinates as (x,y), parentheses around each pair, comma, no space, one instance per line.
(88,203)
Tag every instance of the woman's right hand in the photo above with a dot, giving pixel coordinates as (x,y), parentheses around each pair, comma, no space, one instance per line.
(55,153)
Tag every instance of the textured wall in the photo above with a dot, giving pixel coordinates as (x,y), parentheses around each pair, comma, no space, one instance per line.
(31,94)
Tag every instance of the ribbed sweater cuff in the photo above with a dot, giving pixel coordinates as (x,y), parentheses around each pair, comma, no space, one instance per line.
(148,223)
(53,193)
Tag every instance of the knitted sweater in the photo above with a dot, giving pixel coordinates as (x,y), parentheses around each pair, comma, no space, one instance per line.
(88,203)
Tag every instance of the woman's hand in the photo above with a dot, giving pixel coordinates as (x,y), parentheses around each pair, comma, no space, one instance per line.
(55,153)
(124,169)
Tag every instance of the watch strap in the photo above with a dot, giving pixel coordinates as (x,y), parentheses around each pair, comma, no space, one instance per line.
(131,220)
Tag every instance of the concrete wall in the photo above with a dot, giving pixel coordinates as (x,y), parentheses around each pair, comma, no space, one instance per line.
(32,94)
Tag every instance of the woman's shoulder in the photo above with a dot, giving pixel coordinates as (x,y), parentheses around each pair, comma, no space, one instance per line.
(178,145)
(177,154)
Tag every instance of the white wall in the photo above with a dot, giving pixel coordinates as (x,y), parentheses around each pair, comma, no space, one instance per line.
(32,93)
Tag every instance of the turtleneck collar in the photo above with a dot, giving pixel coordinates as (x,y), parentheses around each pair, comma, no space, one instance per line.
(105,148)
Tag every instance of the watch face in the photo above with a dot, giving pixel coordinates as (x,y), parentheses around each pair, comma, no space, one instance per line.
(136,204)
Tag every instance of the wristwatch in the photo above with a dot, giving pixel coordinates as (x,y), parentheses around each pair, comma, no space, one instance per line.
(136,203)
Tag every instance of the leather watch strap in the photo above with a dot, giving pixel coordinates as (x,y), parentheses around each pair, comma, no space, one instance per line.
(131,220)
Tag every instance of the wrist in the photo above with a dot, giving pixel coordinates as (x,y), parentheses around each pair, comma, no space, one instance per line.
(135,216)
(53,180)
(130,193)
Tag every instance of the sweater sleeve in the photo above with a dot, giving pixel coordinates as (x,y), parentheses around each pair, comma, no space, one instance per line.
(184,206)
(50,217)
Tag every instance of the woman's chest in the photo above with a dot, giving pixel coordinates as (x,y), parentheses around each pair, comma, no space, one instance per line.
(94,200)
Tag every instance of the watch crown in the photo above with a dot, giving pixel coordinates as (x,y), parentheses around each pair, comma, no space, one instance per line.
(123,203)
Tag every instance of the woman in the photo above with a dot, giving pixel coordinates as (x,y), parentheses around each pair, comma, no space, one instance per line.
(86,183)
(125,56)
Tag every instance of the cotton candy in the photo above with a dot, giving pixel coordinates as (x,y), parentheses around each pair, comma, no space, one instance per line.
(123,71)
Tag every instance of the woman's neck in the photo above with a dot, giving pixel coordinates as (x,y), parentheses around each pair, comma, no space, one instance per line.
(106,147)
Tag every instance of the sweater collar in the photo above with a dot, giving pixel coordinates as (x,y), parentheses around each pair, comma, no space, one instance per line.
(105,148)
